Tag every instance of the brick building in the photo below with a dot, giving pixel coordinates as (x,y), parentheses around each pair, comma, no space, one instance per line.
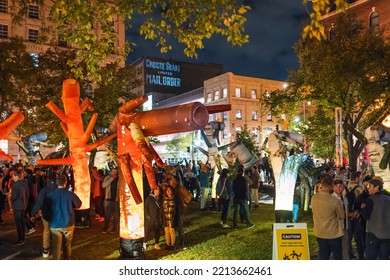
(373,13)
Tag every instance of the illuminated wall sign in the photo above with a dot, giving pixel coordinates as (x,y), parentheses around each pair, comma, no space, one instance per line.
(162,73)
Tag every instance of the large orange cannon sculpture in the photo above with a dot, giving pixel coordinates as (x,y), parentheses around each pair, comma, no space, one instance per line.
(72,125)
(5,129)
(136,154)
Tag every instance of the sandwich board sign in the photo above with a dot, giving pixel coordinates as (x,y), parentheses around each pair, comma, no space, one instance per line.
(290,241)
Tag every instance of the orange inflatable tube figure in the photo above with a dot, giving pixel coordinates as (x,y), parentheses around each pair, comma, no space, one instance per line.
(5,129)
(72,125)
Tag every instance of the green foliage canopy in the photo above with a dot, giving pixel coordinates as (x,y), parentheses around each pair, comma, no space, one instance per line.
(350,71)
(189,23)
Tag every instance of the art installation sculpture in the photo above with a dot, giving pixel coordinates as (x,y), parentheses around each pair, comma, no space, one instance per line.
(135,155)
(379,155)
(210,135)
(28,146)
(287,168)
(5,129)
(72,125)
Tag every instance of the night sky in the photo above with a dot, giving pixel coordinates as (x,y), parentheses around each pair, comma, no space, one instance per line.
(273,27)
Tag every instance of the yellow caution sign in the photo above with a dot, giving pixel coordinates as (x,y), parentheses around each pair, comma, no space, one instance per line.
(290,242)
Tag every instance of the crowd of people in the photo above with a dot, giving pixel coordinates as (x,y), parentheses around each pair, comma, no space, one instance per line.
(31,194)
(351,218)
(348,211)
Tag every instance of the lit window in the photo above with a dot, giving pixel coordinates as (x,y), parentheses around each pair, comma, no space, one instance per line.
(238,92)
(216,95)
(269,116)
(224,93)
(35,58)
(254,94)
(4,146)
(209,97)
(33,11)
(3,6)
(3,31)
(254,115)
(254,131)
(33,35)
(374,22)
(238,114)
(225,116)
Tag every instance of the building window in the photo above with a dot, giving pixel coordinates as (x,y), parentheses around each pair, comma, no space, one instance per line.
(374,22)
(254,131)
(225,116)
(4,145)
(33,11)
(3,6)
(111,47)
(254,115)
(35,58)
(238,114)
(33,35)
(216,95)
(224,93)
(269,116)
(238,129)
(238,92)
(254,94)
(61,41)
(3,31)
(209,97)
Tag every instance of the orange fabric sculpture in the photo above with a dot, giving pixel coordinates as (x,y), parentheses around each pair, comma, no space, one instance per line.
(6,127)
(72,125)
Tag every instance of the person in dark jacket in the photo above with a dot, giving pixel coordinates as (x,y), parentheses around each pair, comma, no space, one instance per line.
(59,210)
(153,217)
(224,192)
(19,198)
(241,198)
(36,211)
(376,211)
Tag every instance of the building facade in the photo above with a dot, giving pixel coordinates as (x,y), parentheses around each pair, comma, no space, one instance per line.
(374,14)
(245,94)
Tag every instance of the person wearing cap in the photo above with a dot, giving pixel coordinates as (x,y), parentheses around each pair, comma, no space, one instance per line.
(328,219)
(376,211)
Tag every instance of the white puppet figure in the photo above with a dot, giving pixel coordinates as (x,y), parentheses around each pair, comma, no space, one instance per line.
(210,136)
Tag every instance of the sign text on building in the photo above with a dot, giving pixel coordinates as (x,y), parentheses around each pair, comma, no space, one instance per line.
(162,73)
